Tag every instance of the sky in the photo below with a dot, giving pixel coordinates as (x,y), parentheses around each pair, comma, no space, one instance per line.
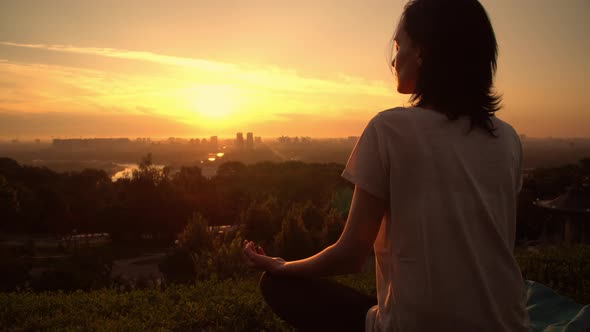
(147,68)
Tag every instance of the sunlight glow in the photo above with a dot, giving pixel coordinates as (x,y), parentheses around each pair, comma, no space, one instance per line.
(213,102)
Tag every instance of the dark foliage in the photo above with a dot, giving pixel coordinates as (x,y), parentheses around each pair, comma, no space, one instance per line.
(156,203)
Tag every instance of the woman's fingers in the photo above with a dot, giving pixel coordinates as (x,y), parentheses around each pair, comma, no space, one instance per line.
(257,260)
(252,246)
(256,256)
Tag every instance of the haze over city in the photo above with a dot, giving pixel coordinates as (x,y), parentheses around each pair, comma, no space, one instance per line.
(201,68)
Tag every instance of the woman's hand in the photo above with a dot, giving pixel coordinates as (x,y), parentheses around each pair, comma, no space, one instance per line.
(256,257)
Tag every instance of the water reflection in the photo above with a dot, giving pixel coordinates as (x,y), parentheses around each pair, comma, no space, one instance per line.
(127,172)
(209,168)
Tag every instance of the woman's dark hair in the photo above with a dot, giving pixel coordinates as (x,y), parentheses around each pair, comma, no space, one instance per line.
(459,51)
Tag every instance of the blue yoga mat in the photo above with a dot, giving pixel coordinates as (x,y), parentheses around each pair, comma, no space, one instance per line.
(551,312)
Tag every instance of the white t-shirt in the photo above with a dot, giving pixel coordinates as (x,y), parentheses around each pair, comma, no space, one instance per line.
(444,252)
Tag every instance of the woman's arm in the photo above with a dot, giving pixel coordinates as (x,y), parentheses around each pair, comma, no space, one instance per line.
(347,255)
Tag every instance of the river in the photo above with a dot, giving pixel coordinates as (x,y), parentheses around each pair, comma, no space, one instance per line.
(208,170)
(128,171)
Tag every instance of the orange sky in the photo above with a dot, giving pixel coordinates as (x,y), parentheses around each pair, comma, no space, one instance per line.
(317,68)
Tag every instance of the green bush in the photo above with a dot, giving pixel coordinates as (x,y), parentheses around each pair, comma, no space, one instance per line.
(202,255)
(195,236)
(226,260)
(14,269)
(81,271)
(178,266)
(230,305)
(565,269)
(294,241)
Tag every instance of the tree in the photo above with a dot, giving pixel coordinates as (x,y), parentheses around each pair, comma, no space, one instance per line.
(230,169)
(261,221)
(294,241)
(195,236)
(189,179)
(9,205)
(333,227)
(149,174)
(312,216)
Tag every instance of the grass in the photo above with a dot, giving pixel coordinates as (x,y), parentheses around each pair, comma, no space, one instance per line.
(228,305)
(234,305)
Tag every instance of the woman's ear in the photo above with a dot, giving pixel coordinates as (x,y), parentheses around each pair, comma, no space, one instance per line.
(419,57)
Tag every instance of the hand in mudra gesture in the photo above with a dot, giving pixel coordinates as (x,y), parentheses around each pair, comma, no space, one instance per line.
(256,257)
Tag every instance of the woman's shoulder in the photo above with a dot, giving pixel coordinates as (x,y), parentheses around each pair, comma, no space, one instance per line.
(402,117)
(395,111)
(506,128)
(408,120)
(408,112)
(391,114)
(499,122)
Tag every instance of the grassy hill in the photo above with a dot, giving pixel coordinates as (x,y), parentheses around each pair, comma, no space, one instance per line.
(233,304)
(228,305)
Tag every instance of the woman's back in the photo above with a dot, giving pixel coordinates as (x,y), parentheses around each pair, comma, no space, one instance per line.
(444,253)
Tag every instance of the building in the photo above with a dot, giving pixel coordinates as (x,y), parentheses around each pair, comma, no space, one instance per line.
(257,140)
(250,140)
(239,140)
(570,216)
(213,141)
(89,143)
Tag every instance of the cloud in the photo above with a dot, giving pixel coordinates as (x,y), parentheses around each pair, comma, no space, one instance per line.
(131,55)
(254,76)
(183,91)
(70,124)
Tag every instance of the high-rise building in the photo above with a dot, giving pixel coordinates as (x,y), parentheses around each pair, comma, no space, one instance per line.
(240,140)
(257,139)
(250,140)
(213,142)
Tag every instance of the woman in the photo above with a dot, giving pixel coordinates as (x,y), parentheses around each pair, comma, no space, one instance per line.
(436,187)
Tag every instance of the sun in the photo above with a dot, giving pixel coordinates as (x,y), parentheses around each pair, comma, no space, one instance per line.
(214,102)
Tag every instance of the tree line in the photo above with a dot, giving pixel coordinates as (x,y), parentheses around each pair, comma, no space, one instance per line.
(157,203)
(292,209)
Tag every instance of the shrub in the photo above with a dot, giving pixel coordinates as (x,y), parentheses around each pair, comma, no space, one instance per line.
(81,271)
(178,266)
(262,221)
(195,237)
(565,269)
(231,305)
(200,256)
(15,270)
(294,241)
